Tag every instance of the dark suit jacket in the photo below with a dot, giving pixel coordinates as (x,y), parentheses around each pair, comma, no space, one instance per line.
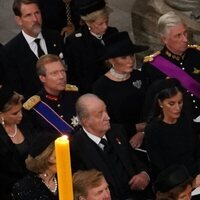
(84,154)
(19,62)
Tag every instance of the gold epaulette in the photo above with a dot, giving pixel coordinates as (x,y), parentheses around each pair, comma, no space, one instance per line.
(151,57)
(194,46)
(70,87)
(31,102)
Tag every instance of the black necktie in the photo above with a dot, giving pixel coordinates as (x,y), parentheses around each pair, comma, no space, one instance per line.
(68,13)
(40,51)
(106,145)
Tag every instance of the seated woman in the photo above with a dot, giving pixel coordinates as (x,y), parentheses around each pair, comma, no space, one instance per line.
(90,185)
(123,87)
(170,135)
(173,183)
(15,137)
(84,47)
(41,182)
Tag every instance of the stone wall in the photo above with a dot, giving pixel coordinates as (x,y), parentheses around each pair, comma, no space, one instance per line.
(146,13)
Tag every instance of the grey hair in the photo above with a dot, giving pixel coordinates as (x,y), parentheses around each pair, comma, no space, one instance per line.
(81,106)
(168,20)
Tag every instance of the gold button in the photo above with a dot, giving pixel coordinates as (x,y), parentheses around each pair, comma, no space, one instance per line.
(58,105)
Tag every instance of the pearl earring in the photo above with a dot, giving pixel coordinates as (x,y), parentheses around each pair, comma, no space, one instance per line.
(2,121)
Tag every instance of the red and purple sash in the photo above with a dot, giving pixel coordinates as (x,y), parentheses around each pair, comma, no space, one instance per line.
(173,71)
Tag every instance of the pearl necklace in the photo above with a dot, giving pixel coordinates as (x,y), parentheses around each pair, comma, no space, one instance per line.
(120,77)
(99,37)
(15,132)
(55,185)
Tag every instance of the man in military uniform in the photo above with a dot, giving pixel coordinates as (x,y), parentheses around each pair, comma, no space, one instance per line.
(177,59)
(54,106)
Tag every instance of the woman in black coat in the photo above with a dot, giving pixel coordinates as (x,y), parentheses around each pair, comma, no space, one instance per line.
(15,138)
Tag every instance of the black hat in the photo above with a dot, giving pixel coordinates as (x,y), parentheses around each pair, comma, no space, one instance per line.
(120,44)
(86,7)
(5,95)
(41,142)
(171,177)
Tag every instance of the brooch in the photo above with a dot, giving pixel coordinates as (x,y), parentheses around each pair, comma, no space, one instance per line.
(137,84)
(74,121)
(196,71)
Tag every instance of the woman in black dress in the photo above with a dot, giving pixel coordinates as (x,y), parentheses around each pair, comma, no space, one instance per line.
(170,133)
(16,134)
(123,87)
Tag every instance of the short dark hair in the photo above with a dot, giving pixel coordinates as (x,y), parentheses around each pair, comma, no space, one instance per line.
(165,88)
(17,5)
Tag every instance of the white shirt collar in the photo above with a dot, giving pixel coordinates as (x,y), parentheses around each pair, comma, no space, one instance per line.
(29,38)
(93,137)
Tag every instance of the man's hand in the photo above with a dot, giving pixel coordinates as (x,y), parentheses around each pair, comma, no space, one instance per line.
(139,181)
(137,140)
(196,182)
(67,30)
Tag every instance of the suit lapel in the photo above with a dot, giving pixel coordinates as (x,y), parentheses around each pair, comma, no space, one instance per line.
(52,46)
(25,49)
(92,153)
(121,149)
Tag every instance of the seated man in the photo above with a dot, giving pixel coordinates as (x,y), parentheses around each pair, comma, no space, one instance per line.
(54,106)
(90,185)
(99,145)
(20,54)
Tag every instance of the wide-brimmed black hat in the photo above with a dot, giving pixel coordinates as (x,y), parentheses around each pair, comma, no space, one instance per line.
(86,7)
(41,142)
(120,44)
(171,177)
(5,95)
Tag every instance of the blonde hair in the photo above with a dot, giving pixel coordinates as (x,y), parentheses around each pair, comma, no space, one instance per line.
(46,59)
(41,162)
(85,180)
(16,99)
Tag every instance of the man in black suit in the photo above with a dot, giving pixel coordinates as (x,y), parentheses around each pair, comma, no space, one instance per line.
(99,145)
(20,54)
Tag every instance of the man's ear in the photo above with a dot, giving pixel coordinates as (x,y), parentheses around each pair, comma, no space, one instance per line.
(18,20)
(81,198)
(42,78)
(163,39)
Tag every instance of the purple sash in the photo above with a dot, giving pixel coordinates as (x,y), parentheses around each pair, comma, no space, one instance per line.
(47,113)
(173,71)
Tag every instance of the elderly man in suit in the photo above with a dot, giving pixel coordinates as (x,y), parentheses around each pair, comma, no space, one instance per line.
(102,146)
(20,54)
